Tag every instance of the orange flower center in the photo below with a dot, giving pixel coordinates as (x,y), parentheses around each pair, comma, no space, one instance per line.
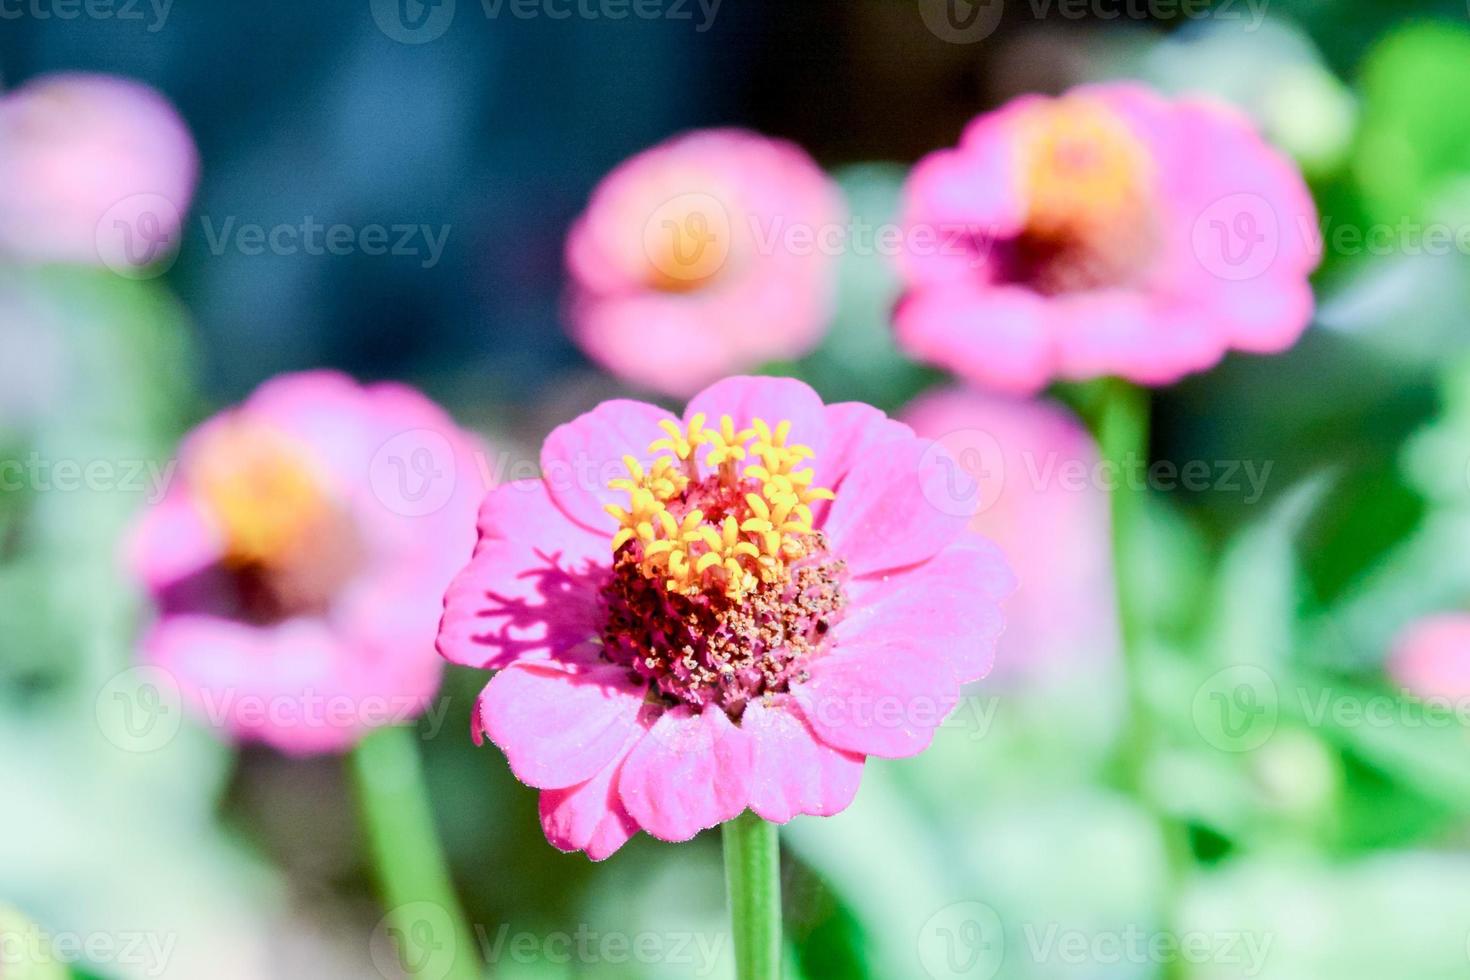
(263,492)
(1086,179)
(687,241)
(1085,171)
(721,590)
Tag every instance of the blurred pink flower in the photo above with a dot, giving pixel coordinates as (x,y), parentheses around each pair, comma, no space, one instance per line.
(1430,658)
(299,556)
(707,633)
(1109,231)
(1035,468)
(93,169)
(707,254)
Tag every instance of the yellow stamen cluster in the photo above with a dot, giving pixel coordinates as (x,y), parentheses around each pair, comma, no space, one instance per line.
(261,491)
(753,471)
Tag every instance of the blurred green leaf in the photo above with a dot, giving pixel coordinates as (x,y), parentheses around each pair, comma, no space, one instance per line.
(1415,137)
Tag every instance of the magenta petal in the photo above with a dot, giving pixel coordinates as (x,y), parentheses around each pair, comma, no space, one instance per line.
(558,726)
(589,816)
(581,456)
(854,431)
(771,399)
(973,561)
(898,506)
(690,772)
(1000,337)
(884,699)
(948,602)
(531,588)
(172,541)
(1431,657)
(796,772)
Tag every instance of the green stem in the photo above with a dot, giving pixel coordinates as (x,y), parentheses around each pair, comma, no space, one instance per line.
(1121,424)
(424,918)
(753,876)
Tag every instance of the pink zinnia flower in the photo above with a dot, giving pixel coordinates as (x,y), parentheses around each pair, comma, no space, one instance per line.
(93,169)
(1035,469)
(715,629)
(1109,231)
(299,555)
(703,256)
(1431,657)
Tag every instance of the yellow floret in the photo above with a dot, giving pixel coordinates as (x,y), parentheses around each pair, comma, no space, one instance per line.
(690,555)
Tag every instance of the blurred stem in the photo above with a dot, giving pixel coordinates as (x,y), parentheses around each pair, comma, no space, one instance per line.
(413,878)
(753,879)
(1121,421)
(1122,435)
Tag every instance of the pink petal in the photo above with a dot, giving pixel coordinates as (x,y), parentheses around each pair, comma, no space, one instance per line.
(172,541)
(772,399)
(589,816)
(690,772)
(767,301)
(854,431)
(948,603)
(795,772)
(531,588)
(1431,657)
(1054,532)
(953,198)
(580,457)
(295,685)
(327,412)
(559,726)
(898,506)
(1134,335)
(642,337)
(883,699)
(996,336)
